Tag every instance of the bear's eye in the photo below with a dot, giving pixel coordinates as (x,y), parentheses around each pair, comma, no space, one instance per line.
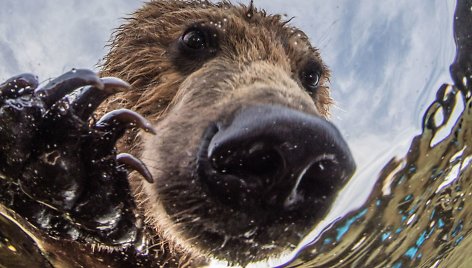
(197,44)
(199,40)
(195,39)
(310,76)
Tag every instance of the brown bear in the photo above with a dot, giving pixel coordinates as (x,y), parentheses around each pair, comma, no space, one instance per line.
(243,165)
(244,160)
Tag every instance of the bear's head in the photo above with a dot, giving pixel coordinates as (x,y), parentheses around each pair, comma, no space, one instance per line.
(245,162)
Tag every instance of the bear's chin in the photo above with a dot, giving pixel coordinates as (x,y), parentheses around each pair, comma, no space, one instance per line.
(216,238)
(207,227)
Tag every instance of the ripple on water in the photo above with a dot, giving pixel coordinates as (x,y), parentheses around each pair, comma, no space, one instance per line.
(417,214)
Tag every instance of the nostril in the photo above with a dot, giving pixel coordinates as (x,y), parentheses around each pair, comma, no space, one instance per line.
(322,177)
(317,182)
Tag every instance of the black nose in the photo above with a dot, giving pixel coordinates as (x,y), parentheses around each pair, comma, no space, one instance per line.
(273,156)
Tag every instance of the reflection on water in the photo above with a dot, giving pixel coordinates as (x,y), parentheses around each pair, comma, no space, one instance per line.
(411,219)
(417,215)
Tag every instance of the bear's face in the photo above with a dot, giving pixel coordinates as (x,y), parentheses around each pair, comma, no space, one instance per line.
(244,161)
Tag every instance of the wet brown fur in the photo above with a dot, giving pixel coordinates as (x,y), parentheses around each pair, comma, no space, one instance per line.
(257,52)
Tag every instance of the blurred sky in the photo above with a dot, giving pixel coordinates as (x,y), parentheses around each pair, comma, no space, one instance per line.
(387,58)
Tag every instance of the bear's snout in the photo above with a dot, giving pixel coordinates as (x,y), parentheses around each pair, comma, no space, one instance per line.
(274,158)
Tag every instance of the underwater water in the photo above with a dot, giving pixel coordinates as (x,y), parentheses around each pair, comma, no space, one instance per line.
(406,117)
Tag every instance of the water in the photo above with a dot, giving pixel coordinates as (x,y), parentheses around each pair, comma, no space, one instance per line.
(388,59)
(417,215)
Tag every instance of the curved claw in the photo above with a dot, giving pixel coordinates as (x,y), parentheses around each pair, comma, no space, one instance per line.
(119,120)
(66,83)
(20,84)
(86,100)
(135,164)
(113,84)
